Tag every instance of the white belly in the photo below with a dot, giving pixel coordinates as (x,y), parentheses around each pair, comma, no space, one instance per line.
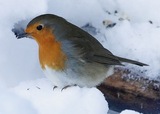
(57,77)
(68,77)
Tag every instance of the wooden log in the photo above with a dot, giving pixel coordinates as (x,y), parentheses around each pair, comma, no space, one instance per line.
(138,93)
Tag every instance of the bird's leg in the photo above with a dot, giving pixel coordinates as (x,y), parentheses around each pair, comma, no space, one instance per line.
(65,87)
(54,87)
(68,86)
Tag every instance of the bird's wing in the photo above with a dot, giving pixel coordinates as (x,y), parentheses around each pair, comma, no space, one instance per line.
(92,51)
(102,56)
(86,46)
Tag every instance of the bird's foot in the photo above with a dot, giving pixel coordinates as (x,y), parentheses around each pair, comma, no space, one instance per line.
(68,86)
(54,87)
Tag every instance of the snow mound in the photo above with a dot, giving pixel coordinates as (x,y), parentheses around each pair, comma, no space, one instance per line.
(13,104)
(129,112)
(73,100)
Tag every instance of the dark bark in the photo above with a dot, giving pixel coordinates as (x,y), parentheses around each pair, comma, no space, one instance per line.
(140,94)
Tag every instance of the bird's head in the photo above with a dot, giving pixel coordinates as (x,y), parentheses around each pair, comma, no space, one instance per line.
(42,29)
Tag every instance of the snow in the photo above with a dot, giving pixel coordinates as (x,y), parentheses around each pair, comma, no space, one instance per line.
(79,11)
(135,36)
(129,112)
(13,104)
(73,100)
(13,52)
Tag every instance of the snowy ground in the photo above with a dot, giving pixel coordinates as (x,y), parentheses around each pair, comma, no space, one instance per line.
(23,87)
(73,100)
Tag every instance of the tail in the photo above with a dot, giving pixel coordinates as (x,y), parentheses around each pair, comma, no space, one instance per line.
(131,61)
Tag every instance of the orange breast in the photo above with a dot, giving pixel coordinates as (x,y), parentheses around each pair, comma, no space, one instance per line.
(51,55)
(50,50)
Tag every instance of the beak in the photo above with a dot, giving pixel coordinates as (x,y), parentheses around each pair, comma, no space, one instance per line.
(20,33)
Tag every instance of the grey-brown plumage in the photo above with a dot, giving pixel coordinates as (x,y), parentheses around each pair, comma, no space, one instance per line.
(90,48)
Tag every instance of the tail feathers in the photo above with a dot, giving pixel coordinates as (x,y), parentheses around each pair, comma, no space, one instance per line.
(131,61)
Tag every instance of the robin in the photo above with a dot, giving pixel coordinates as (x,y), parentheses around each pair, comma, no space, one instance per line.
(70,56)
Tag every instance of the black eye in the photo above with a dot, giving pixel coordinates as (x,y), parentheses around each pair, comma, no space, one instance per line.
(39,27)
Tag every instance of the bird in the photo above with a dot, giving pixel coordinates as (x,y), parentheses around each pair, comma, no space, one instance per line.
(69,55)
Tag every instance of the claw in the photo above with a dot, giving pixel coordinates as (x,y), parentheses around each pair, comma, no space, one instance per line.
(54,87)
(67,87)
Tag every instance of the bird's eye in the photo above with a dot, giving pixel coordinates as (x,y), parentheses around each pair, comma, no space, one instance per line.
(39,27)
